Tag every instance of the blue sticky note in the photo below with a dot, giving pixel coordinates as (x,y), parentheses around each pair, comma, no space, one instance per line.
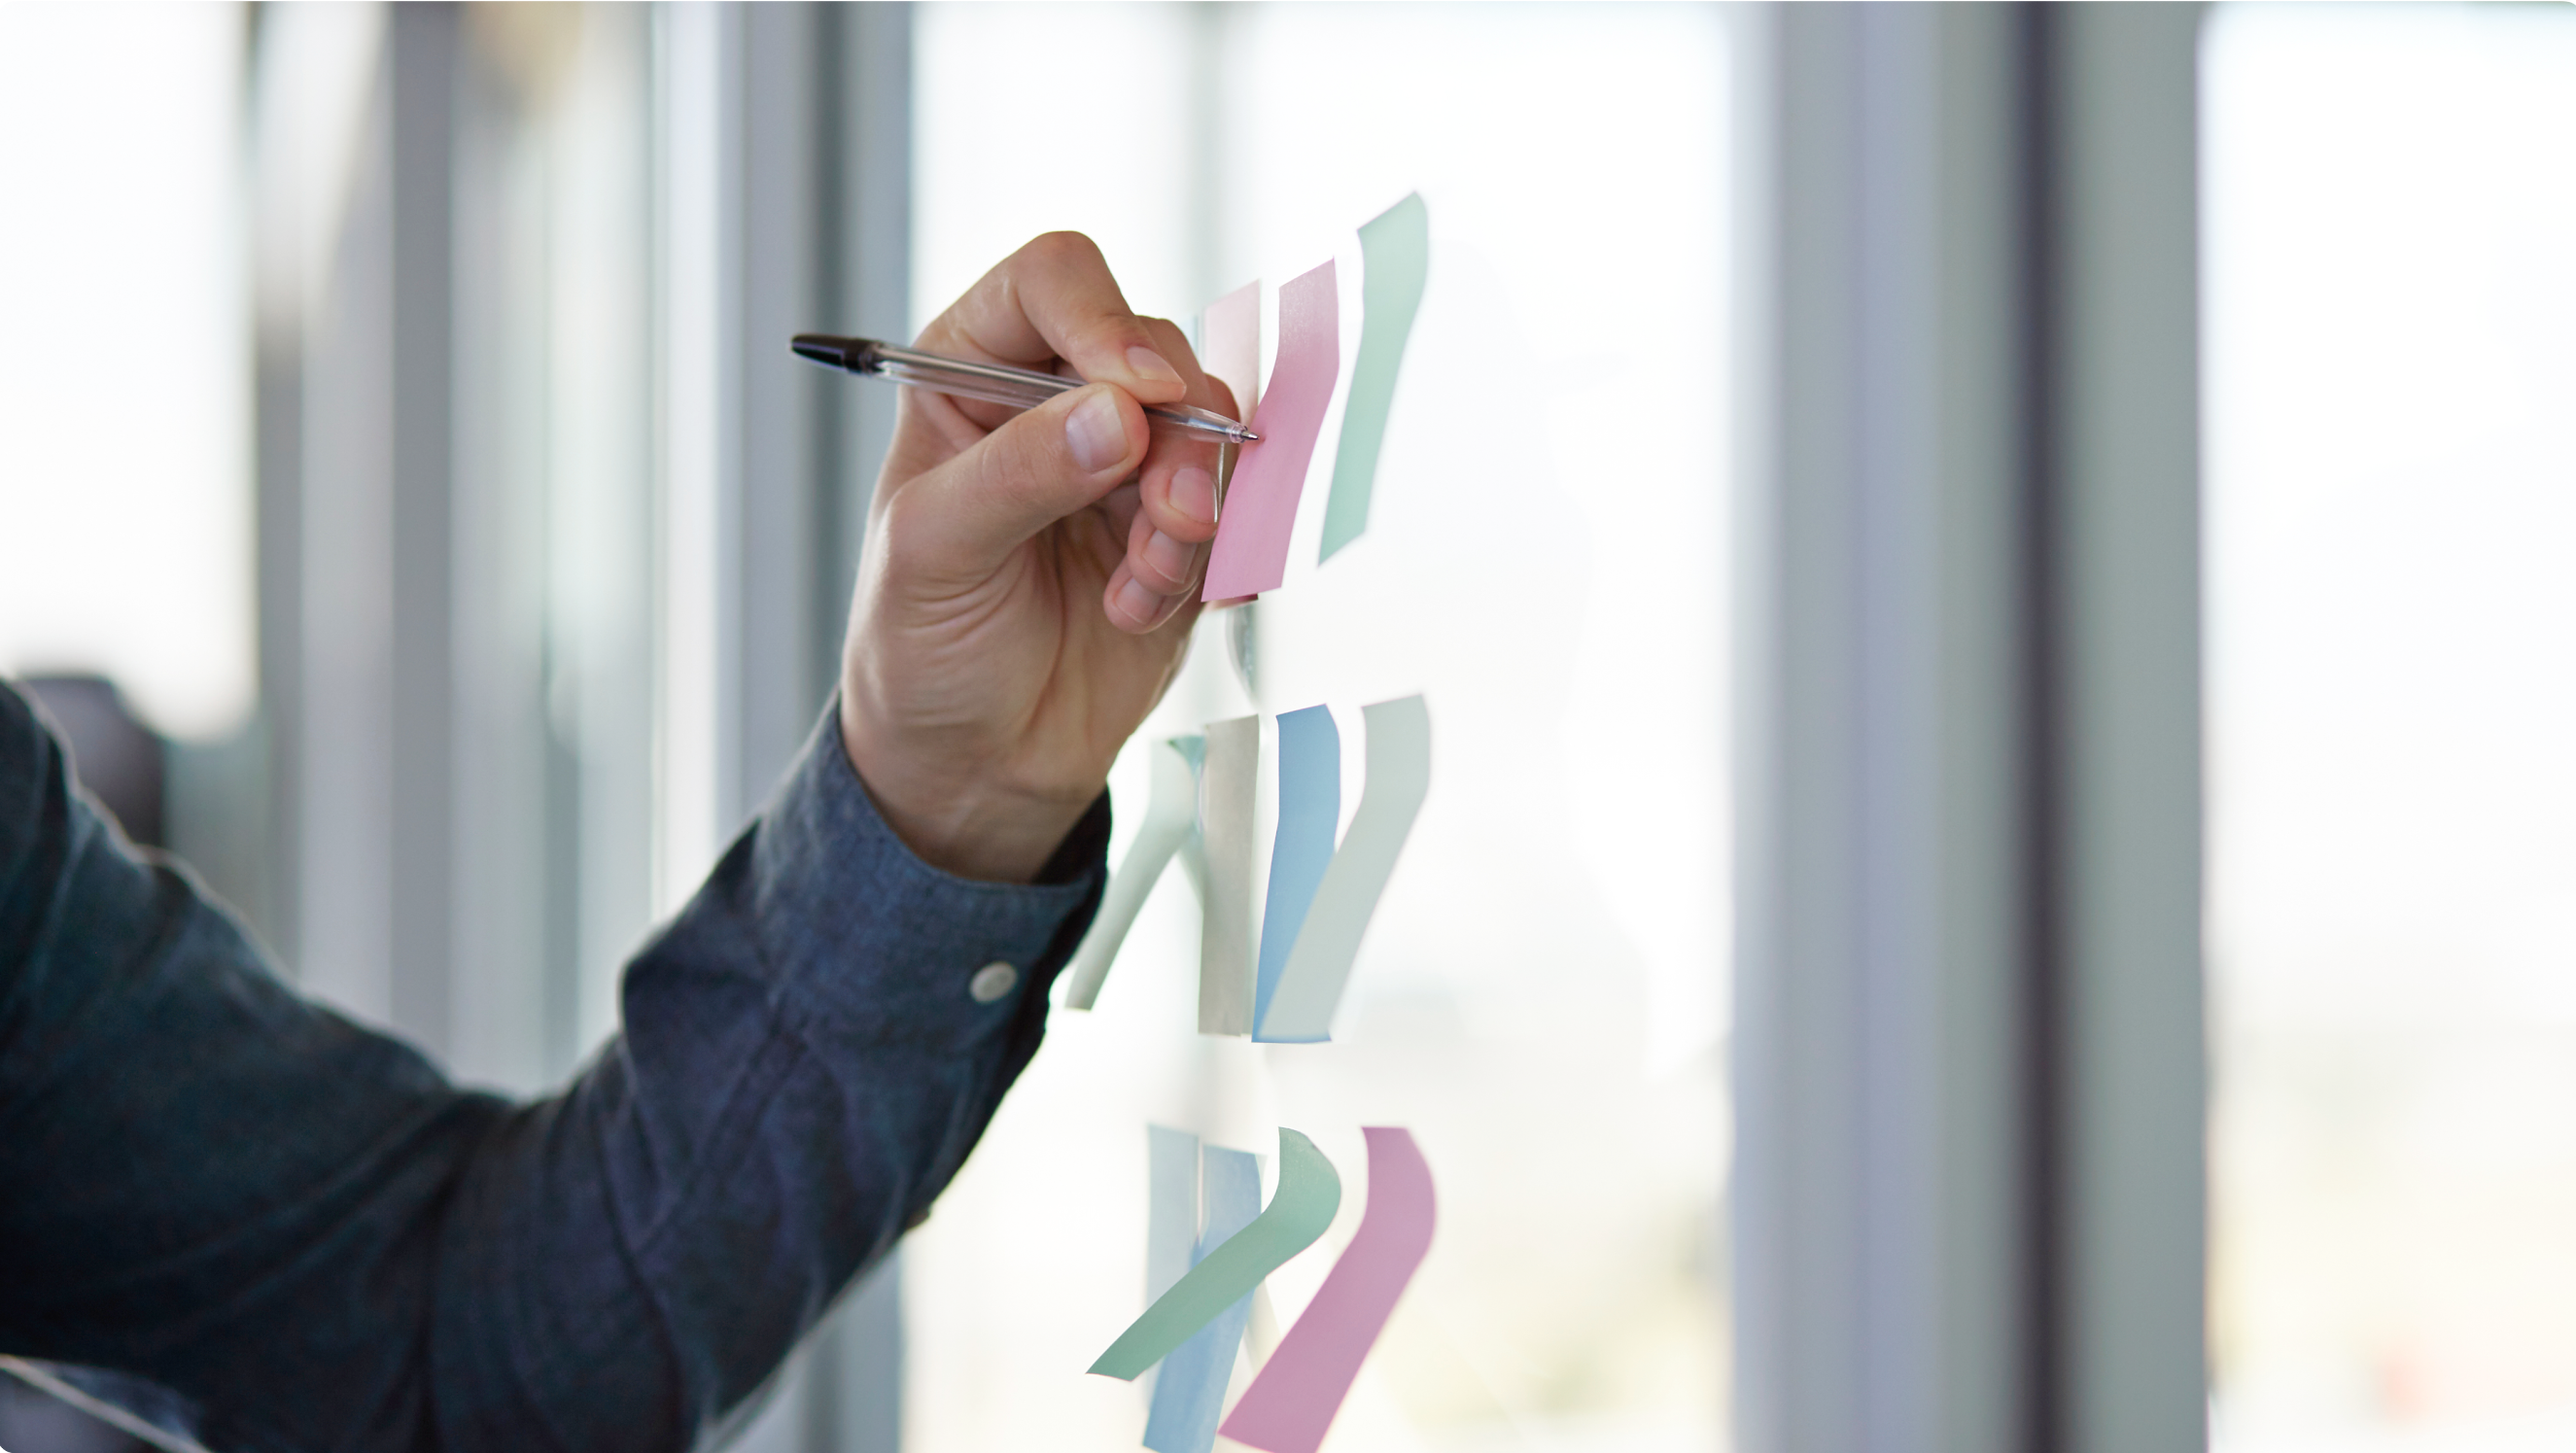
(1319,966)
(1310,807)
(1189,1391)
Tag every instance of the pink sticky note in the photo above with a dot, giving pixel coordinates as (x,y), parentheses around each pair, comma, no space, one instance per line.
(1291,1404)
(1230,341)
(1251,552)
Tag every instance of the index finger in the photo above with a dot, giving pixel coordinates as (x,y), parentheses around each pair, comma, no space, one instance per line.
(1054,298)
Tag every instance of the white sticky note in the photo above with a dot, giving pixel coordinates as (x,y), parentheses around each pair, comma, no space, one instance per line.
(1230,345)
(1399,777)
(1172,1212)
(1171,812)
(1261,1338)
(1193,857)
(1226,789)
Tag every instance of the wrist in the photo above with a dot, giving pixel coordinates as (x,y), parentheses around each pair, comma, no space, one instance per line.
(963,822)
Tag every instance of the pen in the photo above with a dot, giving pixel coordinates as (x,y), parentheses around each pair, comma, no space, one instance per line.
(992,382)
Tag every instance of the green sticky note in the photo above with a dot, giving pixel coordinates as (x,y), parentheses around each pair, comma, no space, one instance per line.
(1309,1193)
(1395,255)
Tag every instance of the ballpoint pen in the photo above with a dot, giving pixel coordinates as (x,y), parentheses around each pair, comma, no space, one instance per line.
(992,382)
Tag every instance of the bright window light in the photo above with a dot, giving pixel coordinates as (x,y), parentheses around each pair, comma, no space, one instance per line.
(2391,386)
(125,356)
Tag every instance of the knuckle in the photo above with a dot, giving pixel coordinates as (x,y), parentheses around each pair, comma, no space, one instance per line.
(1063,248)
(1023,458)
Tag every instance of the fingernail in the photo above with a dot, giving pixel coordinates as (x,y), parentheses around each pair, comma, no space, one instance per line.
(1097,436)
(1194,493)
(1138,603)
(1150,367)
(1169,556)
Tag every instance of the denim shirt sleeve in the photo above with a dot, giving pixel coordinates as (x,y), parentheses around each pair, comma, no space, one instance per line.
(301,1230)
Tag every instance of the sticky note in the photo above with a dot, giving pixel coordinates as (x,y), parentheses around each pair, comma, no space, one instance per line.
(1193,852)
(1395,259)
(1189,1391)
(1194,866)
(1230,345)
(1172,1207)
(1292,1402)
(1300,1010)
(1171,813)
(1308,1195)
(1227,784)
(1310,809)
(1251,550)
(1262,1333)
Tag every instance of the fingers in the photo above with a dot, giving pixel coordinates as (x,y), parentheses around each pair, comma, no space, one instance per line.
(1054,298)
(1136,608)
(1179,476)
(1160,563)
(1177,509)
(964,517)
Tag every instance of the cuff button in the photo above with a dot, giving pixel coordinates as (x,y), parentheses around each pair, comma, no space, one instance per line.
(992,981)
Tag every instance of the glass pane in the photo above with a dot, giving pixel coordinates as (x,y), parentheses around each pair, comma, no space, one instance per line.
(1540,996)
(125,370)
(2392,496)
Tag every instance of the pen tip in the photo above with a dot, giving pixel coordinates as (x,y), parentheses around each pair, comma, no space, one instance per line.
(826,351)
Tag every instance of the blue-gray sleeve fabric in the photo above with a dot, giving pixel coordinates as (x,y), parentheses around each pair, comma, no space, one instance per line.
(304,1231)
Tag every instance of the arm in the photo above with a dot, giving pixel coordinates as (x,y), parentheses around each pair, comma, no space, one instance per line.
(302,1229)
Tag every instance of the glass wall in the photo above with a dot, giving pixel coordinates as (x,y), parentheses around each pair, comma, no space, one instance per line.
(1540,996)
(440,495)
(124,383)
(2391,405)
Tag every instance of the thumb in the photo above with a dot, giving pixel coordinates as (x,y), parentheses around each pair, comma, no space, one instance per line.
(966,515)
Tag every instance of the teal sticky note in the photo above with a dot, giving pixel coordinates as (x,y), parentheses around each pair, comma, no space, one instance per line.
(1395,258)
(1309,1193)
(1171,814)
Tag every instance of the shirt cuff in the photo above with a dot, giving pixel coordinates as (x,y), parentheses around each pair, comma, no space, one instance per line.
(896,950)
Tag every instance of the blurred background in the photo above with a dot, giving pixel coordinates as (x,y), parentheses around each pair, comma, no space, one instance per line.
(418,524)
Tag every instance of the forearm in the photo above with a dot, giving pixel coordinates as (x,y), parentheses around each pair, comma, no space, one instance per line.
(305,1231)
(856,1070)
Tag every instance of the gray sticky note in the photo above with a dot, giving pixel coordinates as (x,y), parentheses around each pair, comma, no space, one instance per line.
(1226,788)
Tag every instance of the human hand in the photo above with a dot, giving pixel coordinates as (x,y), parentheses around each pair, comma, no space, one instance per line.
(1029,581)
